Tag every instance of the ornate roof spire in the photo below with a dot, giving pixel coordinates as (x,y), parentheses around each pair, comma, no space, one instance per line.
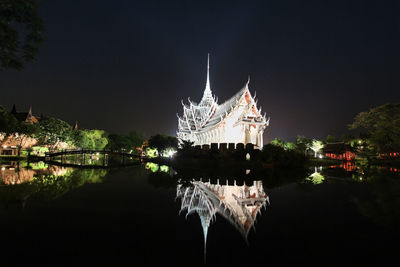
(207,98)
(208,88)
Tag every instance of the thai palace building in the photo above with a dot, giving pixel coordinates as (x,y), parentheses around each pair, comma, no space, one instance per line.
(238,204)
(9,143)
(237,120)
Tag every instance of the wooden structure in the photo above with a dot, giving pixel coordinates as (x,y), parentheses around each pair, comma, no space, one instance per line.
(339,151)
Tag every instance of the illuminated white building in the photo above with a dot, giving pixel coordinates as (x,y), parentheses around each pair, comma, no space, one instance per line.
(237,120)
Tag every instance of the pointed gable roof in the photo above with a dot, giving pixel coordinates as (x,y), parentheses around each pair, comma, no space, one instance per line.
(228,106)
(27,117)
(75,127)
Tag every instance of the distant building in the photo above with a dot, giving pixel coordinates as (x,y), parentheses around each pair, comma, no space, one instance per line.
(27,117)
(339,150)
(9,144)
(75,127)
(237,120)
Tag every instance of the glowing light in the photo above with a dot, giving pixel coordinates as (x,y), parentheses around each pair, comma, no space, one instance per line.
(151,152)
(168,153)
(320,156)
(316,177)
(3,169)
(152,166)
(316,146)
(164,168)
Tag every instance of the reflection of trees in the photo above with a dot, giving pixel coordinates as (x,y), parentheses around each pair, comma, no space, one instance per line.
(382,206)
(46,184)
(167,177)
(382,203)
(161,180)
(316,178)
(53,186)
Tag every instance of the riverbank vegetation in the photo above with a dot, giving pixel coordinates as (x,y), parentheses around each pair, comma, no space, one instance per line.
(19,138)
(375,140)
(374,137)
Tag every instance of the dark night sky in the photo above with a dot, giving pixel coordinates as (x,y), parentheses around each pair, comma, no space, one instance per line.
(122,65)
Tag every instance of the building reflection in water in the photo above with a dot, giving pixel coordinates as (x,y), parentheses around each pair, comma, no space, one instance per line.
(239,205)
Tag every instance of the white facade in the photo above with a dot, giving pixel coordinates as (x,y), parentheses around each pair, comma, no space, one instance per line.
(237,120)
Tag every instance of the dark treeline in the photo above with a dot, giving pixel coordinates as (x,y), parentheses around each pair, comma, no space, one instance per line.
(372,133)
(190,157)
(54,133)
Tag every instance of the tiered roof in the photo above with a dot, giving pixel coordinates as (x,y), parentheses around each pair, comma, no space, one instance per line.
(208,114)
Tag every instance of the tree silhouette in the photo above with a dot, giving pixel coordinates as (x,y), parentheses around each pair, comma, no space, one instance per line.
(20,33)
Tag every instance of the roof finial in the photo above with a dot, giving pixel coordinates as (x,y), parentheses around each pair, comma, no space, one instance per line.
(208,73)
(207,98)
(248,80)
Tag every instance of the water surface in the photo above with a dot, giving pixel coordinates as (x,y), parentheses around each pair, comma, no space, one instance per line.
(54,216)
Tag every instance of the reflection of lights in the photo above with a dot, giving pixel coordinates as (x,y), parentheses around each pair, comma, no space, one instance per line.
(320,156)
(360,178)
(3,169)
(316,178)
(152,166)
(168,153)
(164,168)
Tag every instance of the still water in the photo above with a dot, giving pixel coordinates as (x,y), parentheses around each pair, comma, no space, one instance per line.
(150,215)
